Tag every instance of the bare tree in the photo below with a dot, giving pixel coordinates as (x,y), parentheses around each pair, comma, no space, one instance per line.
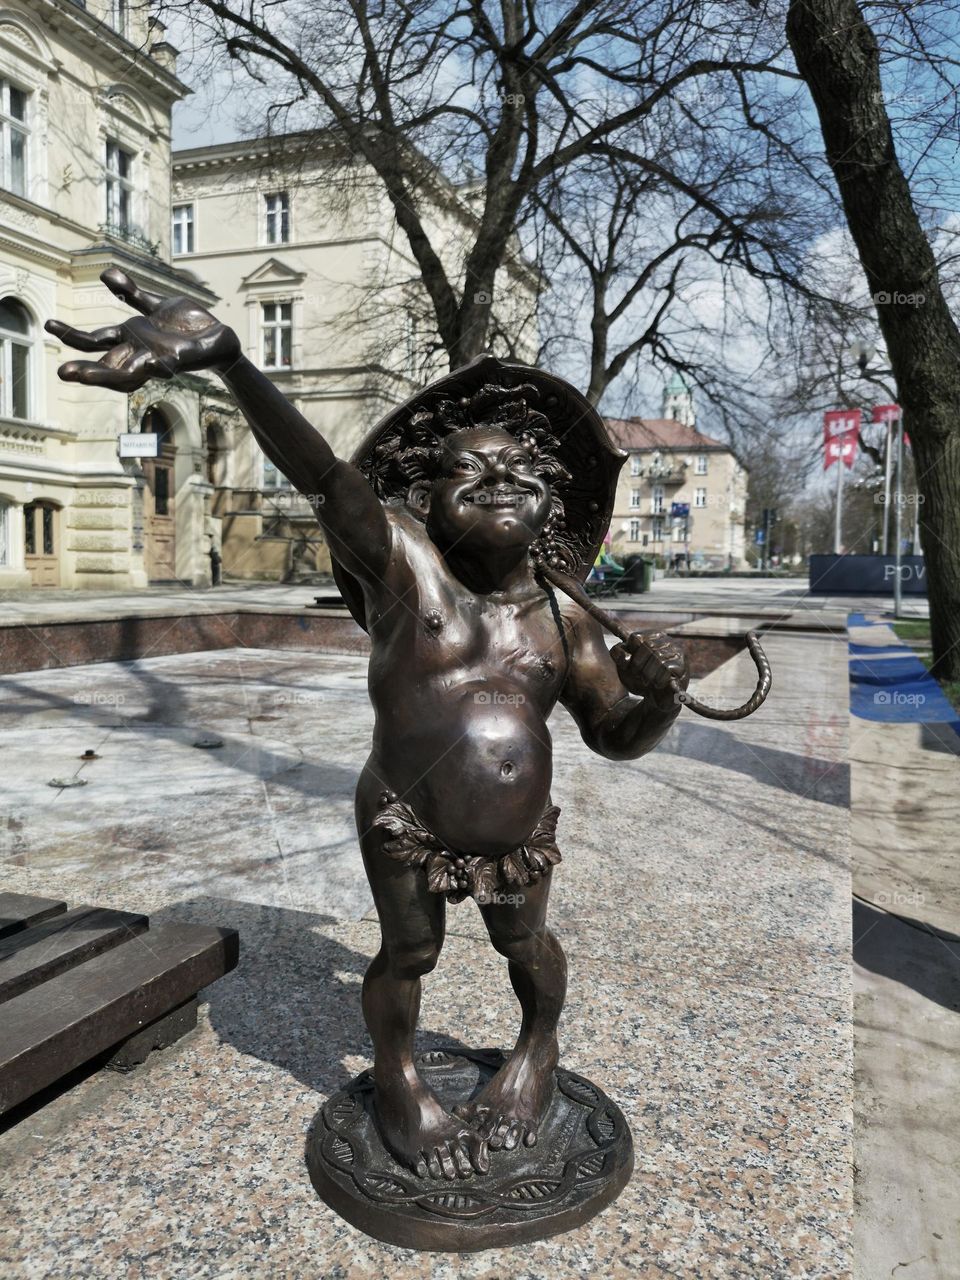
(641,247)
(839,55)
(516,93)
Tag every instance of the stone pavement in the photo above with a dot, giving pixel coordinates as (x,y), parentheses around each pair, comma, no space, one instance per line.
(905,834)
(770,597)
(703,900)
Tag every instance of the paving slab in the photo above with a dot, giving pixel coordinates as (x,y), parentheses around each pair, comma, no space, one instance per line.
(905,838)
(703,899)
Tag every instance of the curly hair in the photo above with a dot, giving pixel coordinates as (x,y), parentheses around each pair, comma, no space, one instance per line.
(412,452)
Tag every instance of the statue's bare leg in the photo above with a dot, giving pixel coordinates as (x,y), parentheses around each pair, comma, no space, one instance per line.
(416,1129)
(511,1107)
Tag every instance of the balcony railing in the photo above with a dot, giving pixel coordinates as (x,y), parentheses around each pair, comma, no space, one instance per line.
(132,236)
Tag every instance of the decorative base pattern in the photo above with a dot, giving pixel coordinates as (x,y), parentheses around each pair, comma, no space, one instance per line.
(581,1163)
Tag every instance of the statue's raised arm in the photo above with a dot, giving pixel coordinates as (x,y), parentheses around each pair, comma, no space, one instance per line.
(176,335)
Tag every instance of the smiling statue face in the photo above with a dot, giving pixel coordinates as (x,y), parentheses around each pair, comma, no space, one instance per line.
(487,495)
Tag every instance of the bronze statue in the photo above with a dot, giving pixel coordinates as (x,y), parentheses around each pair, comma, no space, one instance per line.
(449,531)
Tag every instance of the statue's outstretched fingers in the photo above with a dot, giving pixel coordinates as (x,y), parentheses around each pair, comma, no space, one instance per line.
(93,374)
(98,340)
(127,290)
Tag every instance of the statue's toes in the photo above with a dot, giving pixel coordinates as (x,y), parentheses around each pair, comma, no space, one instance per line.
(448,1167)
(530,1136)
(512,1137)
(478,1152)
(498,1132)
(461,1159)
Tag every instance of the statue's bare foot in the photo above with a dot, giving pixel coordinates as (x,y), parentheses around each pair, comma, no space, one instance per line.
(424,1138)
(511,1107)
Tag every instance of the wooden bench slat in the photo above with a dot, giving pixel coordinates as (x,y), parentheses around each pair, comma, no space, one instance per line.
(51,1029)
(20,910)
(44,950)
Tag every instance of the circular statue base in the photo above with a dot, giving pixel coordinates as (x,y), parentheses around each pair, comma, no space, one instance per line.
(581,1163)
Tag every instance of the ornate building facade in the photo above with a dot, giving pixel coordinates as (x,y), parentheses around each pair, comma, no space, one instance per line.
(86,93)
(303,249)
(680,493)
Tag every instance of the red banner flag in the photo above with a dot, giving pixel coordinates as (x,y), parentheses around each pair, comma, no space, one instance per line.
(885,413)
(841,427)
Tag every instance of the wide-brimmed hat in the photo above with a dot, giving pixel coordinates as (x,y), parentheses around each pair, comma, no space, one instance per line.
(563,429)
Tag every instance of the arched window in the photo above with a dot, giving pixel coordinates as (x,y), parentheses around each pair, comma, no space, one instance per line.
(15,351)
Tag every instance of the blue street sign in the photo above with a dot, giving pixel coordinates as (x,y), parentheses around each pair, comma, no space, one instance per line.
(680,509)
(760,538)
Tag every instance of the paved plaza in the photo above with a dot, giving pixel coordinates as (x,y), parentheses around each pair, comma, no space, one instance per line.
(769,597)
(703,900)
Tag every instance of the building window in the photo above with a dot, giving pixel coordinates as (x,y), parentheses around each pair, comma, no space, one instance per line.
(277,206)
(4,534)
(119,189)
(657,531)
(161,491)
(636,466)
(13,121)
(15,349)
(700,467)
(634,530)
(680,532)
(183,228)
(277,334)
(634,498)
(657,499)
(699,497)
(272,478)
(120,16)
(46,525)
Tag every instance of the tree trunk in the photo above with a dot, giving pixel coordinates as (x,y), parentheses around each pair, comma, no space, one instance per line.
(838,57)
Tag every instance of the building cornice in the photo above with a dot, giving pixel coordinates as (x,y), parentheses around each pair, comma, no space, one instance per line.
(82,29)
(289,148)
(109,252)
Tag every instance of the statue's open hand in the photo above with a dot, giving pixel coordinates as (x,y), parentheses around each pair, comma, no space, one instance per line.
(170,336)
(653,666)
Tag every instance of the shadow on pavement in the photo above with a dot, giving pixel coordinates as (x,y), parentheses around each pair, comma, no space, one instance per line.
(294,998)
(909,952)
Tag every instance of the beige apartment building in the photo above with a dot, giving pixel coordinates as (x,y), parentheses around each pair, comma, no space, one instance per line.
(671,464)
(86,93)
(313,273)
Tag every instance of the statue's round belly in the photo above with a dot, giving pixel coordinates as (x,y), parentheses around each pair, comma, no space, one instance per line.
(476,768)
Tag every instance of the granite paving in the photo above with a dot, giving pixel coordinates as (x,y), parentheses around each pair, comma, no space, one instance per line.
(703,900)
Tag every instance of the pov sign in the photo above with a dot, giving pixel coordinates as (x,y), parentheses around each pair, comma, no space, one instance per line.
(841,427)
